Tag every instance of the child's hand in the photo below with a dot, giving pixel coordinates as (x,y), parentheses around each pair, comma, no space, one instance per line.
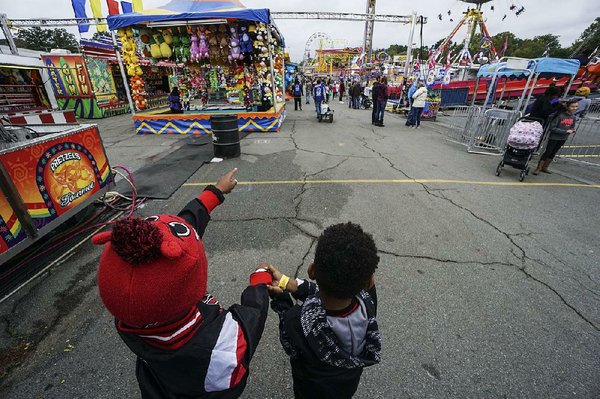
(275,289)
(227,182)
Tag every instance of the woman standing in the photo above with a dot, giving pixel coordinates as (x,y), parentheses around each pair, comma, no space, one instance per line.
(175,102)
(561,126)
(419,98)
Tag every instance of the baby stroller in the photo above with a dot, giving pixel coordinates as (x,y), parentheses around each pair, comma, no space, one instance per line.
(523,139)
(326,113)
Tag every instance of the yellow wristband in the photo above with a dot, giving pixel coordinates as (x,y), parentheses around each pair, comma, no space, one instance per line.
(283,281)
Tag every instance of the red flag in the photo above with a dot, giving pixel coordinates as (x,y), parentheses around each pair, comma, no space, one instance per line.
(113,7)
(448,60)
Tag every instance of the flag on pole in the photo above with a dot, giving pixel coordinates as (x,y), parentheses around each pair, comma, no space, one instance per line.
(97,11)
(504,46)
(79,10)
(448,61)
(547,52)
(113,7)
(126,7)
(138,6)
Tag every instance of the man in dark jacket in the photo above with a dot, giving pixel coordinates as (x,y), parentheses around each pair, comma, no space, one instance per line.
(356,92)
(298,92)
(374,101)
(152,278)
(333,335)
(382,97)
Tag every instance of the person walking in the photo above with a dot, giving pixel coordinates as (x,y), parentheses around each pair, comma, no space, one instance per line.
(374,101)
(419,97)
(382,97)
(298,91)
(560,127)
(356,90)
(342,91)
(410,121)
(336,88)
(309,90)
(319,95)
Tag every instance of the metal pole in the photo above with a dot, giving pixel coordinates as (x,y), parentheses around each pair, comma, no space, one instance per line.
(568,87)
(492,87)
(503,90)
(475,91)
(123,74)
(535,79)
(8,35)
(411,36)
(272,61)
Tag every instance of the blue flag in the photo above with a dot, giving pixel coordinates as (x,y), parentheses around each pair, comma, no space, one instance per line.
(126,7)
(79,10)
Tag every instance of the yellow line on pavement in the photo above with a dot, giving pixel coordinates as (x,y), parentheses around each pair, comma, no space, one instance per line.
(404,181)
(578,156)
(581,146)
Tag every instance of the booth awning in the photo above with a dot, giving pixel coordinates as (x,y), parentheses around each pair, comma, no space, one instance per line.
(546,67)
(191,10)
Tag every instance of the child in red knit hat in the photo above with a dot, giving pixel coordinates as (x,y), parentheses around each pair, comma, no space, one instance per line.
(152,278)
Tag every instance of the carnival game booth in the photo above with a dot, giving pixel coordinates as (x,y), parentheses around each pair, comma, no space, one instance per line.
(24,85)
(47,174)
(233,62)
(107,83)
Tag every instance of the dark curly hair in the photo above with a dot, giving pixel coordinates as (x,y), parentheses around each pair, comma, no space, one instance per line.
(345,259)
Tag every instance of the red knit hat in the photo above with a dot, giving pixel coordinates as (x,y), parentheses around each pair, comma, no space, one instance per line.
(151,270)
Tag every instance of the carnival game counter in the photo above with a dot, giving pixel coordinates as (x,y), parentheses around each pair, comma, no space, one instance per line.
(160,121)
(46,180)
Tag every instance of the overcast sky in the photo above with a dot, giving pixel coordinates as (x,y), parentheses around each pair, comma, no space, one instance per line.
(564,18)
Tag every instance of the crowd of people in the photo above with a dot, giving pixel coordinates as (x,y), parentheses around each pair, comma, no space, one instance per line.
(359,95)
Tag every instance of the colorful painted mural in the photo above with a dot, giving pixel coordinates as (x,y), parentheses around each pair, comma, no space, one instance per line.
(71,84)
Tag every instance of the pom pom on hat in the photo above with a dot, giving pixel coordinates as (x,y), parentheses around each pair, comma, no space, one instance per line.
(137,241)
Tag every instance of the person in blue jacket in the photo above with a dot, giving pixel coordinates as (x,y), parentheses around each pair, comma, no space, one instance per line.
(319,95)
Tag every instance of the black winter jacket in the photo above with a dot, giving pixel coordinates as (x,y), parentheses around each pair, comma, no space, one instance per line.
(207,354)
(327,351)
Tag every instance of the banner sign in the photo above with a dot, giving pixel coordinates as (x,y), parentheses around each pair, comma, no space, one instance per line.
(53,177)
(68,75)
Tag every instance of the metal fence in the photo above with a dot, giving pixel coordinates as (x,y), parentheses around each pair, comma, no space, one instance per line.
(458,123)
(478,129)
(489,132)
(584,145)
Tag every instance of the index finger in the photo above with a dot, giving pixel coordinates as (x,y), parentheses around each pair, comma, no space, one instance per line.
(231,174)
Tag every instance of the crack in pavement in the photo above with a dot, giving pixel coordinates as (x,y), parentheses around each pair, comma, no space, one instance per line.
(523,255)
(441,260)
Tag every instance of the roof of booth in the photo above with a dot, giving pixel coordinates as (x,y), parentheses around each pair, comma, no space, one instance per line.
(191,10)
(547,67)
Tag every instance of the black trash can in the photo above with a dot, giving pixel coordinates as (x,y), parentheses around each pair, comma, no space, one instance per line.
(226,136)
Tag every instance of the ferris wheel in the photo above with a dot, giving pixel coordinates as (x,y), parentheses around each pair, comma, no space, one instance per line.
(316,41)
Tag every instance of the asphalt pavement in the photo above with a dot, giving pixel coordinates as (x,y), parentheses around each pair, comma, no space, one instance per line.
(487,288)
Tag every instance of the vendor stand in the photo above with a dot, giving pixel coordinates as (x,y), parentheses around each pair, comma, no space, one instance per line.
(45,178)
(232,58)
(24,83)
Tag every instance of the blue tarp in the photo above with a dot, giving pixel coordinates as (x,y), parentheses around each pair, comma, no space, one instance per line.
(191,10)
(546,67)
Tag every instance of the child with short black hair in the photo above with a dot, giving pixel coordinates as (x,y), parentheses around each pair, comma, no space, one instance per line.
(333,335)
